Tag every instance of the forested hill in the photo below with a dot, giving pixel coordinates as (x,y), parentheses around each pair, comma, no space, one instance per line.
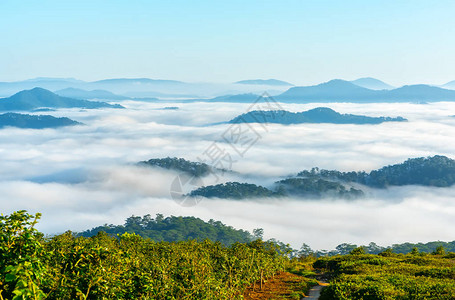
(40,98)
(179,164)
(436,171)
(316,115)
(173,229)
(34,121)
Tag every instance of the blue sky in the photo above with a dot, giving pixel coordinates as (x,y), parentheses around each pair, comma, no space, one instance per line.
(304,42)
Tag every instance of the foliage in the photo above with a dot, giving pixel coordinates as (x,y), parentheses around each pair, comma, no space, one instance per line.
(127,267)
(196,169)
(21,257)
(317,187)
(174,229)
(234,190)
(431,171)
(395,276)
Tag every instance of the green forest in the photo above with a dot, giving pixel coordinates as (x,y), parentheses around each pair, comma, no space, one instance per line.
(171,229)
(437,171)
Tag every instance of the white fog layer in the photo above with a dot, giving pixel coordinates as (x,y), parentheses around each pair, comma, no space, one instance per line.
(83,176)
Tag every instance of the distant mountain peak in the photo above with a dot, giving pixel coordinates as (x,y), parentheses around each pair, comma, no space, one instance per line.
(275,82)
(372,83)
(337,83)
(449,85)
(39,98)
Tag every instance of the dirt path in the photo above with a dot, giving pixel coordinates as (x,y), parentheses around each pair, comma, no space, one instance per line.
(315,292)
(283,286)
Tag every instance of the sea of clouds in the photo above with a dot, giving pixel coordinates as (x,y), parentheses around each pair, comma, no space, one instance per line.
(84,176)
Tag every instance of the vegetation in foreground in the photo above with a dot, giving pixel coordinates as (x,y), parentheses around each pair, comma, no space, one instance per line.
(389,276)
(126,267)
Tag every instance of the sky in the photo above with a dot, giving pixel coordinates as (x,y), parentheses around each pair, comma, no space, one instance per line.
(303,42)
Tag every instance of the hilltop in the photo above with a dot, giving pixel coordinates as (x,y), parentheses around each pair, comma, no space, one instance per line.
(372,83)
(316,115)
(40,98)
(33,121)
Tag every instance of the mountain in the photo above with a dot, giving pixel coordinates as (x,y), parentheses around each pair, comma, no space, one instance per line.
(372,83)
(438,171)
(144,87)
(316,115)
(10,88)
(449,85)
(421,92)
(40,98)
(334,90)
(343,91)
(33,121)
(264,82)
(93,94)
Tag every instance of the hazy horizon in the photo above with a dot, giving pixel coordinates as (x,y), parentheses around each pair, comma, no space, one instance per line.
(302,42)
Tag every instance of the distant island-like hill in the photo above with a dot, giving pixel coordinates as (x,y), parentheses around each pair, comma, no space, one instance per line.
(40,98)
(437,171)
(34,121)
(316,115)
(196,169)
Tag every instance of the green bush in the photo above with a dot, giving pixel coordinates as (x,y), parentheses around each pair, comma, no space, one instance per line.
(127,266)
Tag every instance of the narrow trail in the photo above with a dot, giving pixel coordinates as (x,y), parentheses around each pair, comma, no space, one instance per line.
(315,291)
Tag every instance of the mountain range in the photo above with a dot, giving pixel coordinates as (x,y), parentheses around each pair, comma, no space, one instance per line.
(40,98)
(142,87)
(93,94)
(34,121)
(316,115)
(360,90)
(344,91)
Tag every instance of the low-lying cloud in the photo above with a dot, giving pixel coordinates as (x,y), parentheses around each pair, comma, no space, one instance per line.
(84,176)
